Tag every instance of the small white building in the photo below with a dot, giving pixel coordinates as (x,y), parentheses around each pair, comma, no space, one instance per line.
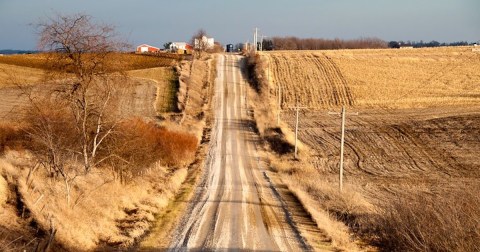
(174,46)
(181,47)
(209,43)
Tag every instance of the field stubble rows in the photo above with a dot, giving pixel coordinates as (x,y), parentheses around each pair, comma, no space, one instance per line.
(376,78)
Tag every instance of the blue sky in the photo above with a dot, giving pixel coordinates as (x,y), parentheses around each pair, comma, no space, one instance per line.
(156,21)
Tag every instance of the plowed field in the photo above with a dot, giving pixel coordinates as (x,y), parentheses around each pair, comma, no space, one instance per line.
(395,152)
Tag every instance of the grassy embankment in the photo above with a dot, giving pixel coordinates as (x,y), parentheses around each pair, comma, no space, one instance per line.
(106,211)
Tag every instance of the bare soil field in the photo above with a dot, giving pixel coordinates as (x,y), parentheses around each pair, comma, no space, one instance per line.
(413,145)
(395,152)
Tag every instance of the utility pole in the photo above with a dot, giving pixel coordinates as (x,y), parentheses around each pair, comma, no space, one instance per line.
(246,96)
(342,142)
(261,43)
(255,39)
(279,104)
(296,132)
(297,109)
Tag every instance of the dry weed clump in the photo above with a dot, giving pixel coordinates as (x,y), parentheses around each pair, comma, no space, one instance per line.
(143,143)
(3,191)
(12,137)
(423,222)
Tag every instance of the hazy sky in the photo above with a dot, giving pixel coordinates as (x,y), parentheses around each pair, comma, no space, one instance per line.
(156,21)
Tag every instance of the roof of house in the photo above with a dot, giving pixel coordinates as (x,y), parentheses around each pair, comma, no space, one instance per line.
(145,45)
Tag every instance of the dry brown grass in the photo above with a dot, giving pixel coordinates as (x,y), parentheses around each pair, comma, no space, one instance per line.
(195,91)
(10,74)
(138,61)
(12,137)
(3,191)
(37,61)
(423,222)
(143,143)
(376,78)
(322,200)
(130,61)
(105,213)
(166,83)
(108,210)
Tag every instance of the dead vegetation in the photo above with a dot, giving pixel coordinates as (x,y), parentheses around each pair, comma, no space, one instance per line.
(105,212)
(446,222)
(132,61)
(81,173)
(410,154)
(15,74)
(166,85)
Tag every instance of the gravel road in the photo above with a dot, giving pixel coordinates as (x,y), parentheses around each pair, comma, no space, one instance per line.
(235,207)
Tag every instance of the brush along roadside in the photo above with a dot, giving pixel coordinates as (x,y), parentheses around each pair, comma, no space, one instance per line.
(279,142)
(106,207)
(194,97)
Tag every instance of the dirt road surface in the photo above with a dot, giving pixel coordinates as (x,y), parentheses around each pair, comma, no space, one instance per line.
(236,207)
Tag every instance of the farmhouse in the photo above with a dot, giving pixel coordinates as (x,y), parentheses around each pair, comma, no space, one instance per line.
(144,48)
(208,43)
(181,47)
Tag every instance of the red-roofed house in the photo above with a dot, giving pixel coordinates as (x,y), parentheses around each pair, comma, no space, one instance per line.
(144,48)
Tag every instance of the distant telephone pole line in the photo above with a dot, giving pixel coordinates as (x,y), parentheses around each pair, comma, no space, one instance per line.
(255,40)
(342,141)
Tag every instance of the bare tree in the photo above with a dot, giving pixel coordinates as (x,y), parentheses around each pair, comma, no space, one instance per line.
(200,42)
(81,58)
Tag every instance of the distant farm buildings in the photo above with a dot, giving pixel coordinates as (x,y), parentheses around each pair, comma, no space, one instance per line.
(144,48)
(181,48)
(204,43)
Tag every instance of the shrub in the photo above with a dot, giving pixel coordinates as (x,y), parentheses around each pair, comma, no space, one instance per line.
(12,136)
(422,222)
(142,143)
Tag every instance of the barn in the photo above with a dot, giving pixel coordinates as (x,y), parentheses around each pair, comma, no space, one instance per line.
(144,48)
